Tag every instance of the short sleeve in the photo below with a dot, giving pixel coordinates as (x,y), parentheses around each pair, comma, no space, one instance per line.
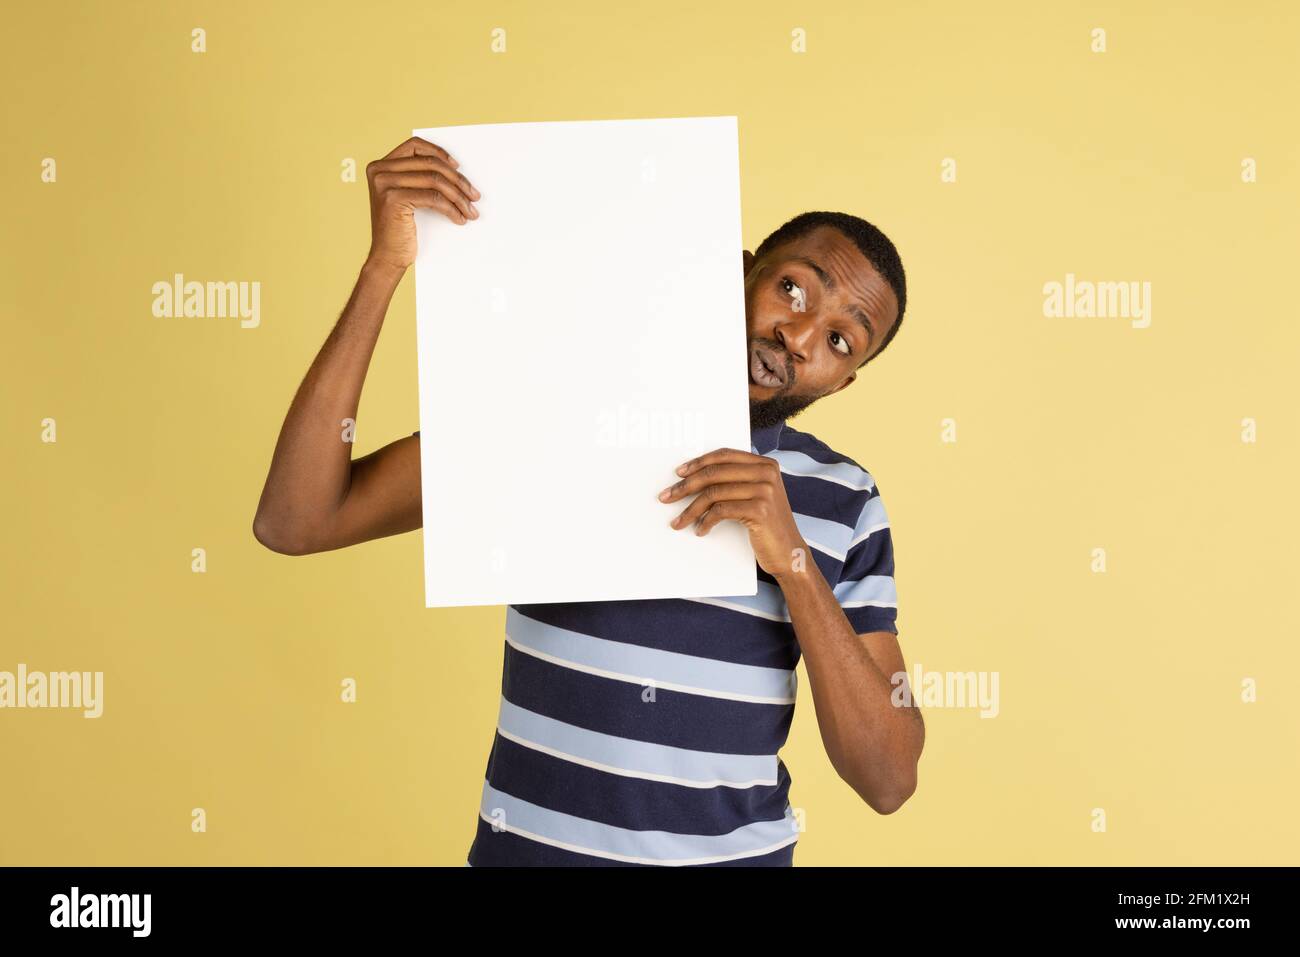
(865,589)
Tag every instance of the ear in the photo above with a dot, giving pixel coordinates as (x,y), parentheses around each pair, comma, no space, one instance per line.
(843,385)
(748,258)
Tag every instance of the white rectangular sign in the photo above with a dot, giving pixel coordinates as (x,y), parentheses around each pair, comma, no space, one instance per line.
(577,342)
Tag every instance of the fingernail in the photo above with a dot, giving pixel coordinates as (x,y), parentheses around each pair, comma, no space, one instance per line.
(453,161)
(477,194)
(663,496)
(681,470)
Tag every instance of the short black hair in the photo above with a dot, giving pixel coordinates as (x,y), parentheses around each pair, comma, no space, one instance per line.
(874,244)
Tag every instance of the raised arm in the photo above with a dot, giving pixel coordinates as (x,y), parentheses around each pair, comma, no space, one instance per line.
(316,498)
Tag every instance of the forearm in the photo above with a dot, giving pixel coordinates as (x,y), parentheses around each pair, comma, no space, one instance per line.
(873,744)
(311,468)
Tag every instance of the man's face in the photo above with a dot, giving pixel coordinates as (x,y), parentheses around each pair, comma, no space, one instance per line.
(815,308)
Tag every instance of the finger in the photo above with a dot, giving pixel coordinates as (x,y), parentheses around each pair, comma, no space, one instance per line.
(713,495)
(710,474)
(417,146)
(721,511)
(427,179)
(427,199)
(407,163)
(717,455)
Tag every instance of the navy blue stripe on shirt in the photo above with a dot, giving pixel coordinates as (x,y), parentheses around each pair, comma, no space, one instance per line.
(678,625)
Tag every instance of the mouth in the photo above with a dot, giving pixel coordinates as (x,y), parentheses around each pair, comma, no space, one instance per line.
(765,369)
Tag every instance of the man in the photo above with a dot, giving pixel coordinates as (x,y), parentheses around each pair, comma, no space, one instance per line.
(646,732)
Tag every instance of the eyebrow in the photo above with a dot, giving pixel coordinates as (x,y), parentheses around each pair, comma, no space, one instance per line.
(828,281)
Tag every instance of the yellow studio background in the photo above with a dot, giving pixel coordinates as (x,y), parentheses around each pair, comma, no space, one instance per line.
(1120,690)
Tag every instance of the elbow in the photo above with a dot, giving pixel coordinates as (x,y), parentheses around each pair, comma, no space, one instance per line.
(888,797)
(890,801)
(279,539)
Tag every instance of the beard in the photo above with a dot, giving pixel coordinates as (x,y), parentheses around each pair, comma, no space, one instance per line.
(764,413)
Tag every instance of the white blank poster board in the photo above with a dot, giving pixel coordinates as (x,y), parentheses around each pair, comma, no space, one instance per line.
(577,342)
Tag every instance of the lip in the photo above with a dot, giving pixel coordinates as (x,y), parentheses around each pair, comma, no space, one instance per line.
(765,369)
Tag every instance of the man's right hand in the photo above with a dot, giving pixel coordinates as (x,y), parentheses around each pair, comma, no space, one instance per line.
(416,175)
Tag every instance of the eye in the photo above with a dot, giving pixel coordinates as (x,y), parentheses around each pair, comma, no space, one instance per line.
(847,350)
(799,302)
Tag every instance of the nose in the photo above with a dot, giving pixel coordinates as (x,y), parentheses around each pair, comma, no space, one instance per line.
(794,336)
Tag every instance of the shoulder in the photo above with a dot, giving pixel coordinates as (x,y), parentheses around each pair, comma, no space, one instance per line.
(804,456)
(832,462)
(834,497)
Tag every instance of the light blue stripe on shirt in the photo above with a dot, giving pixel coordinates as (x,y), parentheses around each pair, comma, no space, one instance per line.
(875,590)
(824,535)
(637,759)
(872,519)
(841,473)
(583,836)
(643,665)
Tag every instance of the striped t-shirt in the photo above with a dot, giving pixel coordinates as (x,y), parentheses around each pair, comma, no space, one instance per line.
(646,732)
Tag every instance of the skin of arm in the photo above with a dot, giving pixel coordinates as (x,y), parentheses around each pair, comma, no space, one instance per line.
(873,745)
(316,498)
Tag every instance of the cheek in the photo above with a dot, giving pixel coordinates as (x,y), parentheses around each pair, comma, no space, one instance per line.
(764,307)
(819,375)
